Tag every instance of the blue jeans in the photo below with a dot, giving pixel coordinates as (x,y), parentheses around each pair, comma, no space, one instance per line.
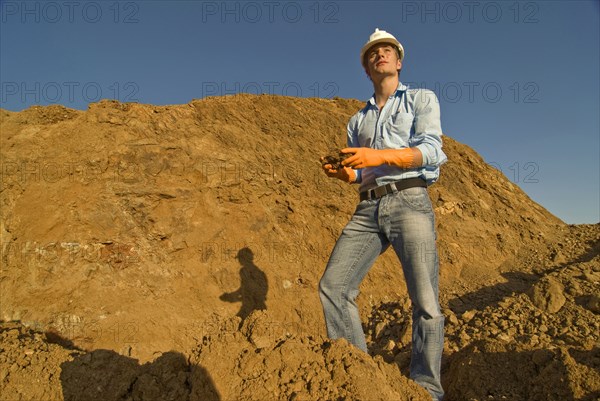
(404,220)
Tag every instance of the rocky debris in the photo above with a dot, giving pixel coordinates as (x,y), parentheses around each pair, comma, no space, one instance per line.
(30,365)
(495,370)
(225,367)
(508,350)
(513,349)
(294,367)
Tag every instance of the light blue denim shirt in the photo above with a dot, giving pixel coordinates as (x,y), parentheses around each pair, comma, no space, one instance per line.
(409,118)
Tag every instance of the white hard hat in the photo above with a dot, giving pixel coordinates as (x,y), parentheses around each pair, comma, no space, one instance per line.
(380,37)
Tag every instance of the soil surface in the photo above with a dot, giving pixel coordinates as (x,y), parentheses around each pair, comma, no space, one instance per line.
(174,252)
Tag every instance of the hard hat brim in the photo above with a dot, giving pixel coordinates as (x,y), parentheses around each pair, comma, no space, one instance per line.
(390,41)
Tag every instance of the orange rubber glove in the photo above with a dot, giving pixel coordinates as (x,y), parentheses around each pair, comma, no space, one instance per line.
(345,174)
(367,157)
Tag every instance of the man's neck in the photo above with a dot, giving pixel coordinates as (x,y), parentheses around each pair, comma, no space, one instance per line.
(385,88)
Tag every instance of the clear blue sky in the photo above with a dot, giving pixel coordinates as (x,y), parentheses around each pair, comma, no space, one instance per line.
(517,80)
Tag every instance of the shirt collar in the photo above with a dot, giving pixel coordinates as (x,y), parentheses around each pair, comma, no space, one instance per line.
(401,89)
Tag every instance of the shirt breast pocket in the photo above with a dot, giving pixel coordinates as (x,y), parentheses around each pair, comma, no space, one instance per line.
(398,127)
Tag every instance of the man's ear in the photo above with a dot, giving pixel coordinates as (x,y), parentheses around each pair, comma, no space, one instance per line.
(398,65)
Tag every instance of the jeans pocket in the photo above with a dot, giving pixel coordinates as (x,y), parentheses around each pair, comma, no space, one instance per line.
(417,199)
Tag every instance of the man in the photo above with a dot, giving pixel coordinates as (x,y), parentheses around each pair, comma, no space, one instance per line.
(395,150)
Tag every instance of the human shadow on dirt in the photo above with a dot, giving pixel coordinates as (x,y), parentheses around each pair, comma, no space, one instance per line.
(104,375)
(253,286)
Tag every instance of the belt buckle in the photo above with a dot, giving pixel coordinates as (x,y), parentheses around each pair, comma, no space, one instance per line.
(380,191)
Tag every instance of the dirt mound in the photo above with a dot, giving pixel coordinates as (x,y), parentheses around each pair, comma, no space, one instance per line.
(29,364)
(263,364)
(33,368)
(512,350)
(287,367)
(146,231)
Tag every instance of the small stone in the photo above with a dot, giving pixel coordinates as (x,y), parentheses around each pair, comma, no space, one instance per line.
(389,346)
(504,337)
(468,315)
(452,319)
(534,340)
(505,303)
(13,333)
(558,257)
(379,328)
(547,295)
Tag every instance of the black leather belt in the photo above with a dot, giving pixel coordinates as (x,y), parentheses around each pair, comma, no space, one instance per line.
(382,190)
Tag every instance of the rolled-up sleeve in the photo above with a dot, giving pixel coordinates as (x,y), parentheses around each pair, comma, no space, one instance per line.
(428,130)
(352,142)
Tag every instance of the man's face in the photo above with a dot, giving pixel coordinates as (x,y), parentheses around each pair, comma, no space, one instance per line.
(382,59)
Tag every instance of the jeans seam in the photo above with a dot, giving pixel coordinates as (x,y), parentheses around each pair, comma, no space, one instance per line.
(345,312)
